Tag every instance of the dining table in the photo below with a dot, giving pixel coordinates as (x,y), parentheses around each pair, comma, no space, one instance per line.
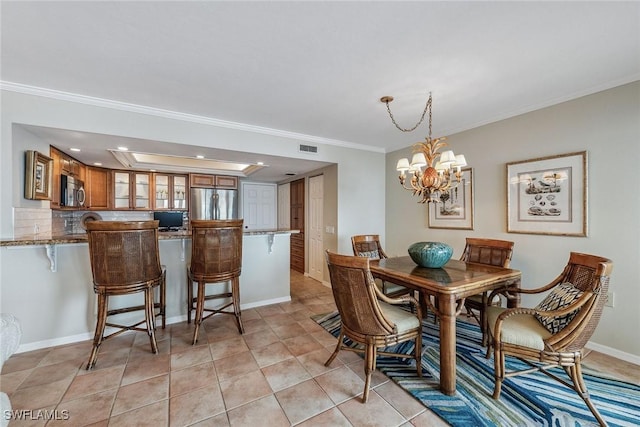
(449,286)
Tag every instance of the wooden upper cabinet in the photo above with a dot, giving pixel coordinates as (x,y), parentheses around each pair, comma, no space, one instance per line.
(213,181)
(97,186)
(170,191)
(57,170)
(131,190)
(223,181)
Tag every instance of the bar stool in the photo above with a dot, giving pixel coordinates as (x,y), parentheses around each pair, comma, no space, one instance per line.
(216,256)
(125,260)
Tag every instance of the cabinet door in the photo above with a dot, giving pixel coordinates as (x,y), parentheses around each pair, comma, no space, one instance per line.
(97,188)
(162,192)
(230,182)
(142,195)
(121,190)
(179,192)
(57,171)
(201,180)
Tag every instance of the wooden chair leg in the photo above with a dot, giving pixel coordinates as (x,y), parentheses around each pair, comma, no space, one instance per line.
(163,300)
(337,350)
(235,296)
(101,321)
(150,318)
(199,311)
(498,364)
(189,296)
(575,372)
(369,367)
(418,355)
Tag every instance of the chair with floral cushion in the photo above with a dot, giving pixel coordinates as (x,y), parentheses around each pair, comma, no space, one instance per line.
(553,334)
(368,245)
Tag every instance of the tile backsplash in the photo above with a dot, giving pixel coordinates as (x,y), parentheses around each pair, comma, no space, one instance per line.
(29,222)
(70,222)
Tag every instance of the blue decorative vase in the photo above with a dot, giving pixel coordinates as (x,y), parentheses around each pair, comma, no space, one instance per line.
(430,254)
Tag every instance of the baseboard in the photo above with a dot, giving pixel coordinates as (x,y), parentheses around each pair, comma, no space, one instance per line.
(72,339)
(627,357)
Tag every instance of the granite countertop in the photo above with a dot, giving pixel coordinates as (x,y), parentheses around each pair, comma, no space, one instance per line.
(82,237)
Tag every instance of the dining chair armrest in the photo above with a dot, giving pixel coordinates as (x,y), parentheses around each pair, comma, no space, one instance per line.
(404,299)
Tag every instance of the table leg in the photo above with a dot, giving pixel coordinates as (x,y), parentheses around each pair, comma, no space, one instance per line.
(447,308)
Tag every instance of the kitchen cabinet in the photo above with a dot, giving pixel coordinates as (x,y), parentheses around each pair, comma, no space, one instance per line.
(96,187)
(63,164)
(170,191)
(213,181)
(297,195)
(131,190)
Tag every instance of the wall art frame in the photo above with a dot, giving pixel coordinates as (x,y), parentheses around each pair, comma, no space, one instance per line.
(548,195)
(37,176)
(455,210)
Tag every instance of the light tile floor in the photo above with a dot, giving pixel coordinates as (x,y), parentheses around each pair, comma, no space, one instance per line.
(273,375)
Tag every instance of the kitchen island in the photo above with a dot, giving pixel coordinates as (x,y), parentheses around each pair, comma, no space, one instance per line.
(46,282)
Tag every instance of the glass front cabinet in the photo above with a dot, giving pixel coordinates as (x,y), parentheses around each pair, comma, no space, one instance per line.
(170,192)
(131,190)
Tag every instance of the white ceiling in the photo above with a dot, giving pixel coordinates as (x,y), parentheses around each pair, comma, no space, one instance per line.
(320,68)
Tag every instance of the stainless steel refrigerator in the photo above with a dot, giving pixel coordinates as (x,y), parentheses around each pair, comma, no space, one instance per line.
(210,203)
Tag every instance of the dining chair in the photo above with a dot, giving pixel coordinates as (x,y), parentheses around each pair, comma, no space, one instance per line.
(489,252)
(216,258)
(368,245)
(553,333)
(369,317)
(125,260)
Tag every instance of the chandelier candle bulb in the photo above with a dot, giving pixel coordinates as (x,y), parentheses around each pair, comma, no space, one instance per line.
(443,170)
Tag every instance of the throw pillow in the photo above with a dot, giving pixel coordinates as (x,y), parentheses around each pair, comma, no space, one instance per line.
(370,254)
(561,296)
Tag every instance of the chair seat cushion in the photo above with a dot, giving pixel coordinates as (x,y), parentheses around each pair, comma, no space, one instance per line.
(404,320)
(521,329)
(560,297)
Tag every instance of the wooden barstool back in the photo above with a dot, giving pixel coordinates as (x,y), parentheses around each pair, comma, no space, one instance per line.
(125,260)
(216,256)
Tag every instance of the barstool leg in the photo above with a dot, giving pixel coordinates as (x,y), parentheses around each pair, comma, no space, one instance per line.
(235,297)
(189,296)
(150,318)
(101,321)
(163,299)
(199,311)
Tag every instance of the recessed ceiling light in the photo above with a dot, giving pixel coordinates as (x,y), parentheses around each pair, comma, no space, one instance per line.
(152,170)
(97,164)
(74,149)
(123,149)
(260,163)
(199,156)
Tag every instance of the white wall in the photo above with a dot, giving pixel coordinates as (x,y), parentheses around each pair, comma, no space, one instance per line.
(607,126)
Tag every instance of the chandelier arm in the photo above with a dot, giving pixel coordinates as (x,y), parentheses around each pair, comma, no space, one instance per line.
(427,107)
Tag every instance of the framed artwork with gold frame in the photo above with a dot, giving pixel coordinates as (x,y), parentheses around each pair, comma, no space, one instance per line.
(37,176)
(455,209)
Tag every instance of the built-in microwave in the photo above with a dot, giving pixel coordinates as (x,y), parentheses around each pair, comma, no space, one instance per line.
(71,191)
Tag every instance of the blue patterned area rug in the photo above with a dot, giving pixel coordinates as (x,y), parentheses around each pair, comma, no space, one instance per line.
(526,400)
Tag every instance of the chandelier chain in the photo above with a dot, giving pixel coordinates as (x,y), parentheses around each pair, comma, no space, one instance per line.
(427,107)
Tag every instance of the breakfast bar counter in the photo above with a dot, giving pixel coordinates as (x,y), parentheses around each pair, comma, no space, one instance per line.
(54,298)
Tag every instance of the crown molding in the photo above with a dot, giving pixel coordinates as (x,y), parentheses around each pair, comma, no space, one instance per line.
(175,115)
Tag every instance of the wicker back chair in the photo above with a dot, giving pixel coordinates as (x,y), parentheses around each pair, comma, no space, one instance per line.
(490,252)
(125,260)
(216,257)
(368,245)
(519,332)
(368,321)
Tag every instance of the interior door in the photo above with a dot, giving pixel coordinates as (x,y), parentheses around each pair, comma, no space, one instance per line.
(259,206)
(316,225)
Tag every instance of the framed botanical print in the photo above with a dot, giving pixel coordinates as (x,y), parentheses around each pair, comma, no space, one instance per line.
(455,209)
(37,177)
(548,195)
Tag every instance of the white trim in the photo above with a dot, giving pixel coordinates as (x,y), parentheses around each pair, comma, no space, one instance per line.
(141,109)
(265,302)
(609,351)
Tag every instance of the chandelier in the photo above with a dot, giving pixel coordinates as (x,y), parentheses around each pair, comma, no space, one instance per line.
(442,171)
